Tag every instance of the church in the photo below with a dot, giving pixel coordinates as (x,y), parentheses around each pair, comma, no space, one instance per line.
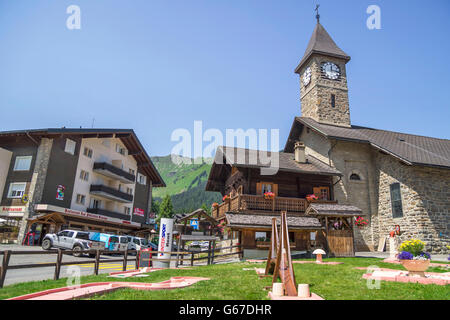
(392,180)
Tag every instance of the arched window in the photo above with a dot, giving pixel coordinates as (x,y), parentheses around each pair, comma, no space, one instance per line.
(355,176)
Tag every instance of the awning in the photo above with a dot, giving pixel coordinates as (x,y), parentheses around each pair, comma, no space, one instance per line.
(255,221)
(87,217)
(49,218)
(333,210)
(199,213)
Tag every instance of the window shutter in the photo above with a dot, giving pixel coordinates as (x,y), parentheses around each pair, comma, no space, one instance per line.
(316,191)
(258,188)
(275,189)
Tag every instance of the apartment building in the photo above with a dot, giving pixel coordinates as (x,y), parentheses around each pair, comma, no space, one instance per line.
(87,179)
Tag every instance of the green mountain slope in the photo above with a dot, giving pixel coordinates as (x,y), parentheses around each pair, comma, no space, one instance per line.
(185,183)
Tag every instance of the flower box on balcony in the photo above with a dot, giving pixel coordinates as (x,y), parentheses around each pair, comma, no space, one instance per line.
(269,195)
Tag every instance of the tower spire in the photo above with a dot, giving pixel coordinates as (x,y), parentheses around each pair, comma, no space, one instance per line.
(317,13)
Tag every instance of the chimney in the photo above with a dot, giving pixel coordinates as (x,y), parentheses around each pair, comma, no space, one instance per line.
(299,152)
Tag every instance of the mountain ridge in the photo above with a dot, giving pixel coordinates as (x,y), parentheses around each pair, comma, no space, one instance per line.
(185,180)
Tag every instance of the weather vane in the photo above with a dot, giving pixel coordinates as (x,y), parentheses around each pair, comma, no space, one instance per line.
(317,11)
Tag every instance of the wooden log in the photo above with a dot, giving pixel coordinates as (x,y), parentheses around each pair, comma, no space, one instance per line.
(138,257)
(5,263)
(97,262)
(272,256)
(213,250)
(58,264)
(125,257)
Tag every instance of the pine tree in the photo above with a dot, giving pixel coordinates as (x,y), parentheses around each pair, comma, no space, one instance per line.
(165,209)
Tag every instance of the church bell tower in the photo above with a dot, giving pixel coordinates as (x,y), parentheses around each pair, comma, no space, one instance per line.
(323,80)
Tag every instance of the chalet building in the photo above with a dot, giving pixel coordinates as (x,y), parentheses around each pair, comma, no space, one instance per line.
(389,178)
(86,179)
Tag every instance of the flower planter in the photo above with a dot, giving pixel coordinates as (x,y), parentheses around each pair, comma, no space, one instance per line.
(416,267)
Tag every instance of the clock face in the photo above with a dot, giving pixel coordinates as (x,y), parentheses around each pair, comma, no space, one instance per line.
(307,76)
(331,70)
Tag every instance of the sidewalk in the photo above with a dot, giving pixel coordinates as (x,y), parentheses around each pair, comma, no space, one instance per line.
(18,247)
(384,255)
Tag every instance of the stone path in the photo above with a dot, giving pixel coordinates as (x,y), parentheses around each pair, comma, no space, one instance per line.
(89,289)
(402,276)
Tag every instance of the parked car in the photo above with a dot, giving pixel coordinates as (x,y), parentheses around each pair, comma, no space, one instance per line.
(136,243)
(78,241)
(110,240)
(122,244)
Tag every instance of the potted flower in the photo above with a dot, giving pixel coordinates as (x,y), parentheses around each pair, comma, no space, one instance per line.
(222,226)
(361,222)
(413,258)
(311,197)
(269,195)
(215,205)
(226,198)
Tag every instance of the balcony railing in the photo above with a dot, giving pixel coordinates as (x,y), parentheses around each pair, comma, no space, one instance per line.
(110,193)
(108,213)
(258,203)
(114,172)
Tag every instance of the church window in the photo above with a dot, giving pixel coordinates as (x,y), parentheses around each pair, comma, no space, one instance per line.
(333,101)
(355,176)
(396,200)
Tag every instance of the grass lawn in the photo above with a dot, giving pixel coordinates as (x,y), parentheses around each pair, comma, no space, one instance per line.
(230,281)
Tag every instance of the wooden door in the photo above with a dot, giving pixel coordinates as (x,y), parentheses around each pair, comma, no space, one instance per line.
(248,239)
(301,240)
(340,243)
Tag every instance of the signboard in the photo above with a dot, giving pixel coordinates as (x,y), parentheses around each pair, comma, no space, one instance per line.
(139,212)
(12,211)
(60,192)
(194,224)
(46,207)
(144,258)
(165,241)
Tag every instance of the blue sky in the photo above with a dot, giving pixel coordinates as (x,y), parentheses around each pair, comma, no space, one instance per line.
(156,66)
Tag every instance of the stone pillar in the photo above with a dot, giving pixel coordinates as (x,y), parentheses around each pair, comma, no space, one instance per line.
(149,200)
(36,188)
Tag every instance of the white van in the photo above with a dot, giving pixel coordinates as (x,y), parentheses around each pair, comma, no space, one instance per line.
(136,243)
(122,245)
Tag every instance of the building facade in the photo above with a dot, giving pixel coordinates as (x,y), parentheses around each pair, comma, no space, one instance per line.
(396,179)
(87,179)
(393,180)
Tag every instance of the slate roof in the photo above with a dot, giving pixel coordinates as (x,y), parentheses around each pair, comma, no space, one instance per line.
(322,43)
(411,149)
(286,161)
(263,220)
(333,209)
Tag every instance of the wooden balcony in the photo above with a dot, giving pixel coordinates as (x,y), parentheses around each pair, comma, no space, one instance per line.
(258,203)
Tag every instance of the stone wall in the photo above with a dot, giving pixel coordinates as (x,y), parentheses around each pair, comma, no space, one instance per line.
(425,195)
(316,96)
(348,158)
(37,184)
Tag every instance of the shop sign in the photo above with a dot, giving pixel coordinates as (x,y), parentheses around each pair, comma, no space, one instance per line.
(139,212)
(12,211)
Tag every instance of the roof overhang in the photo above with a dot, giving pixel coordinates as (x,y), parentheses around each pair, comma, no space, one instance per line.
(127,136)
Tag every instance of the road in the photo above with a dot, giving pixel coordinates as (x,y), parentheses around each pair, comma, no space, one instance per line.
(44,273)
